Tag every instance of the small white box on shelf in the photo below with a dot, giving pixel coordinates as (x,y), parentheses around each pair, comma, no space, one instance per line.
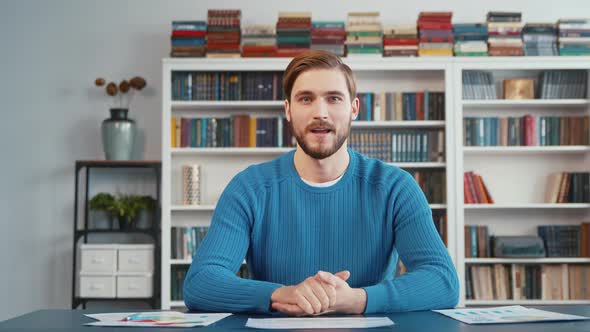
(136,258)
(98,257)
(97,285)
(134,285)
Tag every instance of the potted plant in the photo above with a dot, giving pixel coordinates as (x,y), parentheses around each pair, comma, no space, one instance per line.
(102,203)
(126,208)
(118,131)
(146,212)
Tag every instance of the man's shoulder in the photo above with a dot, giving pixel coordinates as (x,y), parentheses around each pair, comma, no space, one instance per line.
(266,173)
(378,172)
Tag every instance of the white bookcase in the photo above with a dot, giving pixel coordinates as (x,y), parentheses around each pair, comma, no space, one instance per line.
(515,176)
(219,165)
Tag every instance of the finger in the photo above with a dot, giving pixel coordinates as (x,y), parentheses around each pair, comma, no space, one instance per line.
(320,293)
(288,309)
(308,294)
(328,278)
(303,303)
(343,275)
(331,292)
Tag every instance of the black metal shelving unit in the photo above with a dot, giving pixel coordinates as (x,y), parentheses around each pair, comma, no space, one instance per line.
(82,233)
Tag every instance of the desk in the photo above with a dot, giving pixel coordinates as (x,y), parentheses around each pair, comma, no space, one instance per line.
(72,320)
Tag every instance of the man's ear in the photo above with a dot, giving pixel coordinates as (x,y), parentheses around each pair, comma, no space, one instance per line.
(287,110)
(355,108)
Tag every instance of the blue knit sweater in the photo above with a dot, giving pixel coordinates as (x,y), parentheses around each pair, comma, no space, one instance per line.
(288,231)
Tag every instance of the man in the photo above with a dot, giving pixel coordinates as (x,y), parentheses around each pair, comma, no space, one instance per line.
(321,227)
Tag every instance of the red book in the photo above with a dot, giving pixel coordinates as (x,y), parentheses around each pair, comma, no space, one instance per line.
(435,25)
(468,198)
(400,41)
(419,105)
(189,33)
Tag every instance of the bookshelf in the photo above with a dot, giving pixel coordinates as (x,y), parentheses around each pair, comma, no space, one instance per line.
(516,176)
(219,165)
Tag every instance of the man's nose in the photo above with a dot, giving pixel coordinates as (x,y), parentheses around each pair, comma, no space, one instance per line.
(320,109)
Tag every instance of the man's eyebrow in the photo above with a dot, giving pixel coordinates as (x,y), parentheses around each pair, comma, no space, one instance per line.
(308,92)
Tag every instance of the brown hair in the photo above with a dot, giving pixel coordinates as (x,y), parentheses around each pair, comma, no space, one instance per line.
(316,59)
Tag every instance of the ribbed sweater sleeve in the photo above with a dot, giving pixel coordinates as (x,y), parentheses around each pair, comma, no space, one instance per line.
(431,281)
(211,283)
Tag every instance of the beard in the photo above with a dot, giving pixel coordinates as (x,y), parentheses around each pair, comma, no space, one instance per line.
(322,150)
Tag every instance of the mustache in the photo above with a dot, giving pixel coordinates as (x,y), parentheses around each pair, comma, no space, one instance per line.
(320,124)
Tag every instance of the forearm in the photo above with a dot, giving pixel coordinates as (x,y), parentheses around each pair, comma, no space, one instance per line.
(434,286)
(215,288)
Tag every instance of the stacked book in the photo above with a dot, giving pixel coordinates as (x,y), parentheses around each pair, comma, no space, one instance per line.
(259,41)
(188,38)
(475,190)
(540,39)
(363,34)
(223,33)
(574,37)
(561,240)
(328,36)
(568,187)
(471,39)
(400,40)
(436,34)
(504,30)
(293,33)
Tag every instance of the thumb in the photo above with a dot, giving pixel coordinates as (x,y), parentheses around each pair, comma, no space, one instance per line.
(344,275)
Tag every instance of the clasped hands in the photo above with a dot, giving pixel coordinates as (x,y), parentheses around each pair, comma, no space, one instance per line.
(321,293)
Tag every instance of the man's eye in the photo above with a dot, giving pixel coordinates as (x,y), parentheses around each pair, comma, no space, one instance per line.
(305,99)
(335,98)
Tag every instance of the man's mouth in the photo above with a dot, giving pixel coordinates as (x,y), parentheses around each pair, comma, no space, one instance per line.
(321,130)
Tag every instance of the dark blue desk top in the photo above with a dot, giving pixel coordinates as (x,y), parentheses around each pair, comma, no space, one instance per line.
(72,320)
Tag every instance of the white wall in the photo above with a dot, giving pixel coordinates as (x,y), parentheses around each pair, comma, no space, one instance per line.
(50,53)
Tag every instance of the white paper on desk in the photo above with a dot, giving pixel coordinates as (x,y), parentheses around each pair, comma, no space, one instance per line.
(161,319)
(318,323)
(505,315)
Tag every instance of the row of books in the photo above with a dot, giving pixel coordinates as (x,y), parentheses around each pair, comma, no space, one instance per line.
(399,145)
(528,130)
(433,34)
(177,276)
(475,190)
(568,187)
(227,86)
(185,241)
(433,185)
(558,240)
(565,240)
(563,84)
(551,84)
(528,282)
(401,106)
(234,131)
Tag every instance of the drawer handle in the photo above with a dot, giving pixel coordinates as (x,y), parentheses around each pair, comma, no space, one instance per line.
(97,260)
(134,260)
(96,286)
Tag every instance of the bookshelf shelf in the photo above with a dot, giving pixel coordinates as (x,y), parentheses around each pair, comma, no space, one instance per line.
(223,105)
(527,206)
(526,103)
(398,124)
(420,165)
(547,260)
(177,304)
(525,149)
(230,151)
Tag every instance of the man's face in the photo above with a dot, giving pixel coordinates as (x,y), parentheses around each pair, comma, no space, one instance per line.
(320,112)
